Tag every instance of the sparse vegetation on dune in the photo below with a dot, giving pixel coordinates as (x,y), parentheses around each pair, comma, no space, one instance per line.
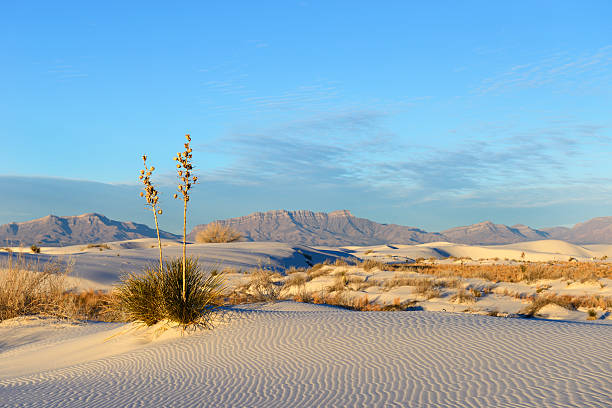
(525,272)
(361,288)
(31,287)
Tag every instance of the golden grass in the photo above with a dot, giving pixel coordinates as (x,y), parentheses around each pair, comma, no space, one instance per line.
(528,272)
(29,287)
(215,232)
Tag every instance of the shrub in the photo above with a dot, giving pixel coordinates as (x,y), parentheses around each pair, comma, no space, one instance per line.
(153,296)
(263,286)
(28,287)
(217,233)
(35,249)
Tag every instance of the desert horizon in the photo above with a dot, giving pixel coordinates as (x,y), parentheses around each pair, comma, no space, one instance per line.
(306,204)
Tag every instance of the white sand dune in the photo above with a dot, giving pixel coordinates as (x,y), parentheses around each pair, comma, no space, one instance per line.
(100,268)
(535,251)
(289,354)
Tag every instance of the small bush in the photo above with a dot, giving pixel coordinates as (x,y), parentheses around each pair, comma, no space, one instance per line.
(35,249)
(215,232)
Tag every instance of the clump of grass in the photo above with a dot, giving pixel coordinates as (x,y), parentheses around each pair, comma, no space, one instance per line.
(370,264)
(592,314)
(35,249)
(463,296)
(157,295)
(539,302)
(27,287)
(340,283)
(215,232)
(427,288)
(303,296)
(296,279)
(99,246)
(317,270)
(263,286)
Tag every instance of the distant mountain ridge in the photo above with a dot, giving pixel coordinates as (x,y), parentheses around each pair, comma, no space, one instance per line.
(332,229)
(489,233)
(80,229)
(337,228)
(342,228)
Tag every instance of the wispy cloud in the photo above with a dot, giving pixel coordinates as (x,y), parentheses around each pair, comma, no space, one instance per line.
(63,72)
(355,150)
(567,71)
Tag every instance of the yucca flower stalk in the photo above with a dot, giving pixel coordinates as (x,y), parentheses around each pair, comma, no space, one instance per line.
(186,181)
(152,197)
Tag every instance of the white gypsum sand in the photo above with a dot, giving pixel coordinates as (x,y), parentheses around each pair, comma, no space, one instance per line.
(291,354)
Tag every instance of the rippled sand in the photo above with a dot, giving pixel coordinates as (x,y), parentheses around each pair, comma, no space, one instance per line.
(291,354)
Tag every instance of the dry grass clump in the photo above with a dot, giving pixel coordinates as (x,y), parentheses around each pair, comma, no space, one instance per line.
(428,288)
(92,305)
(296,279)
(399,280)
(358,303)
(463,296)
(566,301)
(216,232)
(340,283)
(317,270)
(370,264)
(303,296)
(101,247)
(264,286)
(28,287)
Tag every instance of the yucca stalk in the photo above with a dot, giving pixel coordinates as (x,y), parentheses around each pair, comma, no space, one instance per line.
(187,180)
(152,197)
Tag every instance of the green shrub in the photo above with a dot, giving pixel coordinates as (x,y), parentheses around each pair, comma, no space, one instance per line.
(203,293)
(153,296)
(139,296)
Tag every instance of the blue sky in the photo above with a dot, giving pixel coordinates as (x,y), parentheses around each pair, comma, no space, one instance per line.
(430,114)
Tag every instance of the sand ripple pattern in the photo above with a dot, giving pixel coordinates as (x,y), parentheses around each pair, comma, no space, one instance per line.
(327,357)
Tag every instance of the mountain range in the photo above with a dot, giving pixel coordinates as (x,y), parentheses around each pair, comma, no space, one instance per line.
(81,229)
(342,228)
(337,228)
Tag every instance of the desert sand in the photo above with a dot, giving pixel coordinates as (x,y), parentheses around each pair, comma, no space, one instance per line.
(292,354)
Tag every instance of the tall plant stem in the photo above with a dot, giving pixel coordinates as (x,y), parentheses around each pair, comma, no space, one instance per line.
(184,245)
(161,266)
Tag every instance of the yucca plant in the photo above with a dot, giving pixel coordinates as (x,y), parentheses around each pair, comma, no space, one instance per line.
(186,181)
(202,296)
(152,197)
(154,296)
(139,296)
